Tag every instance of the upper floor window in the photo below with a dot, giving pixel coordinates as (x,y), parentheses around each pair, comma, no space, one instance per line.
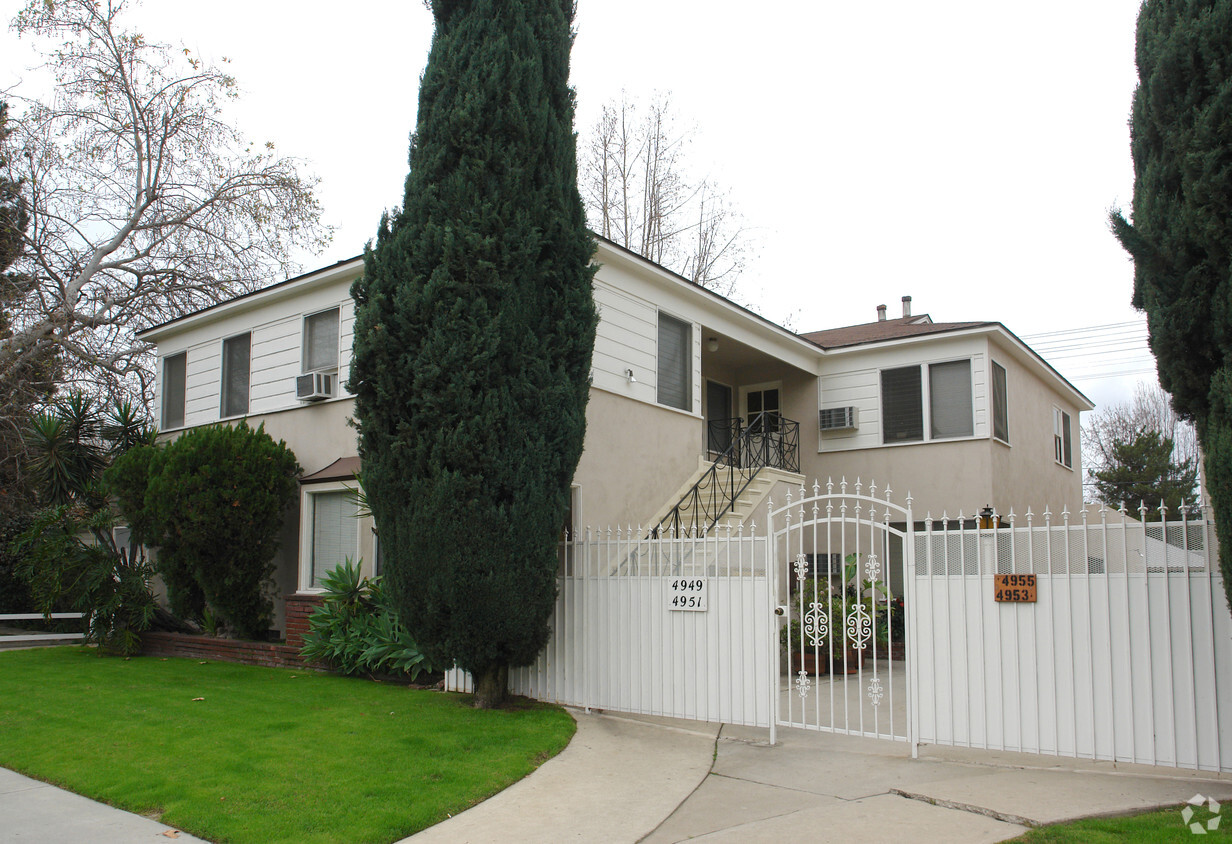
(236,371)
(1062,447)
(175,370)
(321,341)
(1000,404)
(675,359)
(948,400)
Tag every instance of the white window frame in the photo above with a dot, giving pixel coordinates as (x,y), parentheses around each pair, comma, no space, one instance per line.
(307,515)
(1062,425)
(337,310)
(926,399)
(222,378)
(162,374)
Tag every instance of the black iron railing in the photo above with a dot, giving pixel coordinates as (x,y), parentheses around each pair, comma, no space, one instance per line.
(768,441)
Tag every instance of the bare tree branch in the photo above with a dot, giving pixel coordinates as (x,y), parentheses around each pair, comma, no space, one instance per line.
(144,204)
(633,181)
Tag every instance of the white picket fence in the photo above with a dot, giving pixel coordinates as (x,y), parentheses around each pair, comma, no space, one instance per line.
(1126,653)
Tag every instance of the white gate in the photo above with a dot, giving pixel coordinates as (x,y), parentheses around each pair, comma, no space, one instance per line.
(1124,651)
(840,560)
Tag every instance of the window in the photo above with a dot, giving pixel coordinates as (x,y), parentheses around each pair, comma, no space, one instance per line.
(948,399)
(675,357)
(1000,404)
(321,341)
(175,368)
(949,390)
(1062,446)
(235,374)
(335,533)
(902,397)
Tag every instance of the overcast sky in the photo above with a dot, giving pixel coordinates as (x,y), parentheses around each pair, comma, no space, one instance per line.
(964,153)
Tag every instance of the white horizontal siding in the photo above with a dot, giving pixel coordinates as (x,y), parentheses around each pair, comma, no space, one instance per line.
(625,339)
(854,379)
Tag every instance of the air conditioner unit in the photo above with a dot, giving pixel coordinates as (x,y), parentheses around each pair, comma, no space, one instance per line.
(314,386)
(838,418)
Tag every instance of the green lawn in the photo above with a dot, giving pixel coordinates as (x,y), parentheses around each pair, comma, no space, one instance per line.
(1149,828)
(268,754)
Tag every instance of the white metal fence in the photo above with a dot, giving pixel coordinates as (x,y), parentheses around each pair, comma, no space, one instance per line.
(679,627)
(1125,654)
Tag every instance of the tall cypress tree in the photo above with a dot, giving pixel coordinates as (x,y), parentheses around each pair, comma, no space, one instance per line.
(475,324)
(1181,234)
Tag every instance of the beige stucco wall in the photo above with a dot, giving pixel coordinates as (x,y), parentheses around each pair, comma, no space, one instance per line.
(1025,473)
(940,476)
(636,457)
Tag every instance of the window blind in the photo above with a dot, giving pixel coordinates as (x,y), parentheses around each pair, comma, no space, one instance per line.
(235,374)
(1000,404)
(334,532)
(675,389)
(949,387)
(902,397)
(321,341)
(175,370)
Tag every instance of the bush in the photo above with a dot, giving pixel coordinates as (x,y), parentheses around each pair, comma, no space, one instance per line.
(14,592)
(70,560)
(356,630)
(214,506)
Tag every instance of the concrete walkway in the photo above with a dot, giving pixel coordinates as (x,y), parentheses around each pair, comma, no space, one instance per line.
(632,778)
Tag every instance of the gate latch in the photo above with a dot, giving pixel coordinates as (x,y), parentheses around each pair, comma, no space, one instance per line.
(780,610)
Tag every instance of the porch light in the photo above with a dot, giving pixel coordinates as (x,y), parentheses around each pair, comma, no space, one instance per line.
(629,375)
(987,522)
(712,345)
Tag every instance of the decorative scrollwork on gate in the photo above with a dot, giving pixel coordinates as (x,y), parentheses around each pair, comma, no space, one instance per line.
(803,684)
(816,625)
(802,567)
(872,567)
(875,694)
(859,626)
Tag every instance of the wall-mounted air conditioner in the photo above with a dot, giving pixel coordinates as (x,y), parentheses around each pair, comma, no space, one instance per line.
(315,386)
(838,418)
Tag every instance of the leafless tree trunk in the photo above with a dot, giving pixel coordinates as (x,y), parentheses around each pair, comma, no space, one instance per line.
(637,193)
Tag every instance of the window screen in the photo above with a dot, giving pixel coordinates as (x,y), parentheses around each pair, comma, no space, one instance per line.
(235,372)
(1000,404)
(321,341)
(175,369)
(675,389)
(902,397)
(949,390)
(334,532)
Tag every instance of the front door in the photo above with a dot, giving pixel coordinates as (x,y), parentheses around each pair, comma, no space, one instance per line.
(758,400)
(718,418)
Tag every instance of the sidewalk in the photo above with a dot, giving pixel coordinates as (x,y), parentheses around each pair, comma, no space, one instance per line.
(632,778)
(35,811)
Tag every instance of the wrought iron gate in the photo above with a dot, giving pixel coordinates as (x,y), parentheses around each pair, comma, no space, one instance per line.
(840,563)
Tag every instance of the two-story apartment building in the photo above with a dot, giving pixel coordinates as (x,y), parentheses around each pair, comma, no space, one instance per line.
(959,415)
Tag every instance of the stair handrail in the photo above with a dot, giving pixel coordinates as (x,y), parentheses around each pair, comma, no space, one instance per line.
(778,447)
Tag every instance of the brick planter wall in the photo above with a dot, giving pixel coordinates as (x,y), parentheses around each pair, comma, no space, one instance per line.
(298,608)
(222,650)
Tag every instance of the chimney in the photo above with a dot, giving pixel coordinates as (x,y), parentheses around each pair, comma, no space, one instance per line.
(906,306)
(881,309)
